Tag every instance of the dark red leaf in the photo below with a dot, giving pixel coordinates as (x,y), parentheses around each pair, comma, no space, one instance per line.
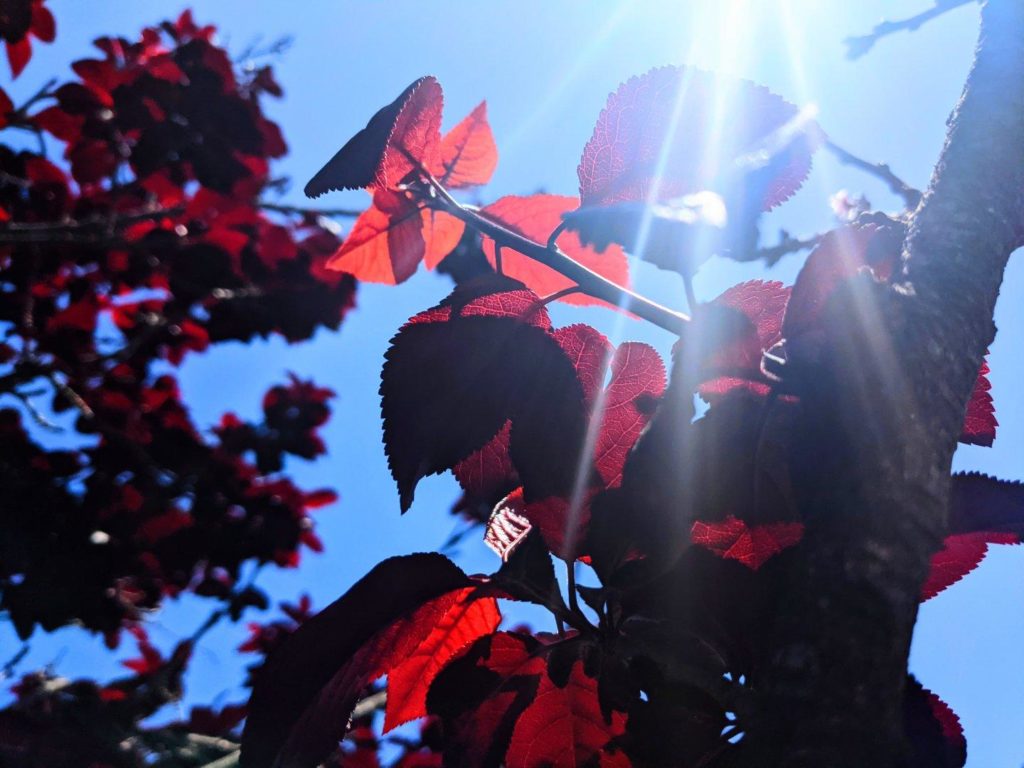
(982,511)
(43,25)
(980,420)
(638,380)
(536,217)
(378,156)
(467,620)
(304,694)
(468,153)
(479,697)
(563,725)
(731,349)
(488,472)
(960,554)
(456,373)
(753,546)
(841,254)
(18,54)
(657,139)
(934,733)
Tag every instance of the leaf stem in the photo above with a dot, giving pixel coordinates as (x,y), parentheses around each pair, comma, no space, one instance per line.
(589,282)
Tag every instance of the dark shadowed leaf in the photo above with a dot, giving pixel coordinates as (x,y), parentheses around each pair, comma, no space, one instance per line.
(455,374)
(304,695)
(563,725)
(378,156)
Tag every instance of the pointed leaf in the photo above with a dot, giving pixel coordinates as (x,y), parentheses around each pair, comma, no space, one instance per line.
(982,511)
(468,153)
(536,217)
(480,695)
(638,380)
(563,725)
(980,420)
(304,694)
(489,472)
(934,733)
(455,374)
(378,156)
(467,620)
(657,139)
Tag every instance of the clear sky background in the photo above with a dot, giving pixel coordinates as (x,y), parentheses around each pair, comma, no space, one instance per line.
(545,69)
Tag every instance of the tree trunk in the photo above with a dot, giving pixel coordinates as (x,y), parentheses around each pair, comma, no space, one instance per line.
(882,416)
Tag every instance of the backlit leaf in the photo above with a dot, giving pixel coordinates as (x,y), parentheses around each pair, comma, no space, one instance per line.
(536,217)
(468,153)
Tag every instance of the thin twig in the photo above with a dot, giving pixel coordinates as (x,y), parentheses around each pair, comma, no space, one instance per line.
(574,603)
(787,244)
(589,282)
(911,196)
(370,704)
(555,233)
(859,45)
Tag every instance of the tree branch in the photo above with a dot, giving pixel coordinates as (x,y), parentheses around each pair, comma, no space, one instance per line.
(911,197)
(881,416)
(860,45)
(589,282)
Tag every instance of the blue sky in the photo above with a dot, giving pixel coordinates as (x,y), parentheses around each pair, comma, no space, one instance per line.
(545,69)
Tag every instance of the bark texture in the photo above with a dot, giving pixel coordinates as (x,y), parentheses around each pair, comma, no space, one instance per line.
(882,416)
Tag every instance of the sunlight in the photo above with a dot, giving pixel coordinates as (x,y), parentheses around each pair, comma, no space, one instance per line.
(732,27)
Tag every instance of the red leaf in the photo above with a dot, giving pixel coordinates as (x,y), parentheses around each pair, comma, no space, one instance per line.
(489,471)
(982,511)
(980,420)
(6,107)
(535,217)
(657,138)
(590,353)
(960,554)
(391,238)
(638,379)
(563,725)
(43,25)
(731,349)
(465,622)
(488,337)
(841,254)
(468,153)
(753,546)
(304,694)
(378,156)
(18,54)
(58,122)
(480,695)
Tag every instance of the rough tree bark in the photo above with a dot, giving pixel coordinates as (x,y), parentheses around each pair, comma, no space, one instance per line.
(883,412)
